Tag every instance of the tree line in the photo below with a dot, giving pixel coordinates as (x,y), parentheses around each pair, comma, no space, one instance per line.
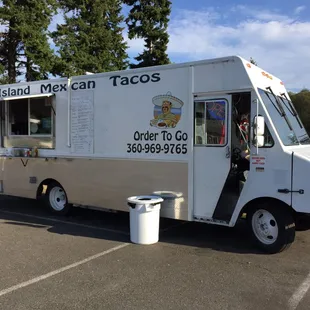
(301,101)
(90,39)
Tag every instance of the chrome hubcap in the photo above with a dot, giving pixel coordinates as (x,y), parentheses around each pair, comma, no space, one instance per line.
(265,227)
(57,198)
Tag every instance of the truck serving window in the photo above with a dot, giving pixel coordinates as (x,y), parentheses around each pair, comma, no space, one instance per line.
(18,117)
(30,117)
(29,122)
(210,122)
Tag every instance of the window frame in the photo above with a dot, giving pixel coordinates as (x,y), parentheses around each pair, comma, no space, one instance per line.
(226,121)
(29,135)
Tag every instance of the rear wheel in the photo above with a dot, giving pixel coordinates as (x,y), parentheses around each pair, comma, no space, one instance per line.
(56,199)
(272,227)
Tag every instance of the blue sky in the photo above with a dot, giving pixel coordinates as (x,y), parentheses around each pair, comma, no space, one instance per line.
(275,33)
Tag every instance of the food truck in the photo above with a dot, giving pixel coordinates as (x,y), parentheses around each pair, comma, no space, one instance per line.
(216,138)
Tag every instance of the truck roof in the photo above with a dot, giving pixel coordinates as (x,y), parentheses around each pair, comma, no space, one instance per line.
(138,70)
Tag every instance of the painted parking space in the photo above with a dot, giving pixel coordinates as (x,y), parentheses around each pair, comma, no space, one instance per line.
(86,261)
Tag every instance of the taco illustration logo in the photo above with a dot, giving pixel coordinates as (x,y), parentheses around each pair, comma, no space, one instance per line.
(167,111)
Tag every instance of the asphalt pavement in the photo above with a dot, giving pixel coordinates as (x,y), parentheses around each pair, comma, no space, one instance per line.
(86,261)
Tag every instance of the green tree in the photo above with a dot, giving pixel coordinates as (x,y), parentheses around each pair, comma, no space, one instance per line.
(91,38)
(148,19)
(25,46)
(3,76)
(301,101)
(9,42)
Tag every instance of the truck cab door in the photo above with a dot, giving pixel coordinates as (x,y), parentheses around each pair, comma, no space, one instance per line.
(212,153)
(299,184)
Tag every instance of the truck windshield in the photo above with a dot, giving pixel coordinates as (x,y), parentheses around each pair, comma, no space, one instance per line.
(285,119)
(293,117)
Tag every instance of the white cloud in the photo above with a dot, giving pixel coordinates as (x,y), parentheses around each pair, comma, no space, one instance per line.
(3,28)
(299,9)
(279,44)
(259,13)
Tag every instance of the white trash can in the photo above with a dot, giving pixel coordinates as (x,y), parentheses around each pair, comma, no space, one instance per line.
(172,204)
(144,219)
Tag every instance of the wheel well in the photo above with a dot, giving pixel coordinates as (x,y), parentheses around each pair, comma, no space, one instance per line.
(43,186)
(260,200)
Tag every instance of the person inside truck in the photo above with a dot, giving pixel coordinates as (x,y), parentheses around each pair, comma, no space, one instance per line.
(240,137)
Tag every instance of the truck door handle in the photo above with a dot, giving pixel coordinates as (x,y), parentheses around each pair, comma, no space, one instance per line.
(227,152)
(286,191)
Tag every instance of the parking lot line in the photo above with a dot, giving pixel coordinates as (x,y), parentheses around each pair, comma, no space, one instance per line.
(64,222)
(299,293)
(55,272)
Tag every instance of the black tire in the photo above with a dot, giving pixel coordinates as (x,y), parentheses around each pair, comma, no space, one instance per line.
(279,219)
(53,189)
(302,222)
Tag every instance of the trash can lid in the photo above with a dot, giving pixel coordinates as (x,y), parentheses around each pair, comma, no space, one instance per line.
(168,194)
(144,199)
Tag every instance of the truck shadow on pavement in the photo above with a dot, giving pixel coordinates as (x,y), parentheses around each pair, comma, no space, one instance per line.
(115,227)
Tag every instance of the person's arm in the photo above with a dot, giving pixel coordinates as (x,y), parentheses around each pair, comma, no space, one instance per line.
(246,154)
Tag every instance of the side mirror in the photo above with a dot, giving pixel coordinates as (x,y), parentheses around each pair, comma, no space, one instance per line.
(259,141)
(259,125)
(259,131)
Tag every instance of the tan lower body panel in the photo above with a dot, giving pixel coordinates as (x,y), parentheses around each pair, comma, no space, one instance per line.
(100,183)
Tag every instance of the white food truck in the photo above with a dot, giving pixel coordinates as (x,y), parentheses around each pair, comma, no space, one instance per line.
(215,138)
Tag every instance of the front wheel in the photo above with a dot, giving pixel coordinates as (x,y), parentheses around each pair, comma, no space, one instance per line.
(56,199)
(272,227)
